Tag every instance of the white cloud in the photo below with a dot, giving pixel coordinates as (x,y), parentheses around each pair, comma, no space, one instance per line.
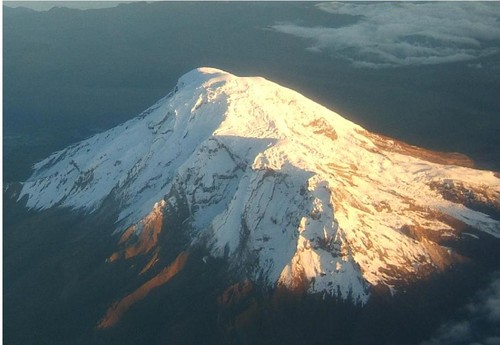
(480,324)
(395,34)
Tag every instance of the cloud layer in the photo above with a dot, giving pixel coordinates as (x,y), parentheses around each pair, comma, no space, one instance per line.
(479,325)
(398,34)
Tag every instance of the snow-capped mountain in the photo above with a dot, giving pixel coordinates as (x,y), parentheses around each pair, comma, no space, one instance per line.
(289,192)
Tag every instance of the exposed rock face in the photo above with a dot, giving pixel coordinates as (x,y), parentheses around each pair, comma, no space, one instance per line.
(290,193)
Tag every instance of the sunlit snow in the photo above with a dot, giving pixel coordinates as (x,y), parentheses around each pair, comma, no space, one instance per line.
(286,189)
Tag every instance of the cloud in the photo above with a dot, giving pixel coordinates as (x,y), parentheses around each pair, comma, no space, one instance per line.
(400,34)
(479,325)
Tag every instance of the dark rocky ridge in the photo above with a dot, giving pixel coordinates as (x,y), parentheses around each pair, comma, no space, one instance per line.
(58,286)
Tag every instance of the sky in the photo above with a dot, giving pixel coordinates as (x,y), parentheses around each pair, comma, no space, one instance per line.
(47,5)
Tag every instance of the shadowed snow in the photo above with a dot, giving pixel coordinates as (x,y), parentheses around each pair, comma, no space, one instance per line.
(288,191)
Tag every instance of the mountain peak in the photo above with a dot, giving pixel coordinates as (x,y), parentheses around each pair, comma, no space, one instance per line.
(289,192)
(201,75)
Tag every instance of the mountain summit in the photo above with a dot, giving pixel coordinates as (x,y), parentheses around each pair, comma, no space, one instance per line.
(290,193)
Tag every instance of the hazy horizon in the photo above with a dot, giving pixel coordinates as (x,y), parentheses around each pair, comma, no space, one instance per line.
(47,5)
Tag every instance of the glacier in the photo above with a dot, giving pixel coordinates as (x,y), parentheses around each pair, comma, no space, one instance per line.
(289,192)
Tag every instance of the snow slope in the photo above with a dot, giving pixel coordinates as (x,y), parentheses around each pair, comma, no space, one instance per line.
(290,192)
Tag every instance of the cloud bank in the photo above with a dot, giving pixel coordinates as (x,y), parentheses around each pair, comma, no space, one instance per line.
(402,34)
(479,325)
